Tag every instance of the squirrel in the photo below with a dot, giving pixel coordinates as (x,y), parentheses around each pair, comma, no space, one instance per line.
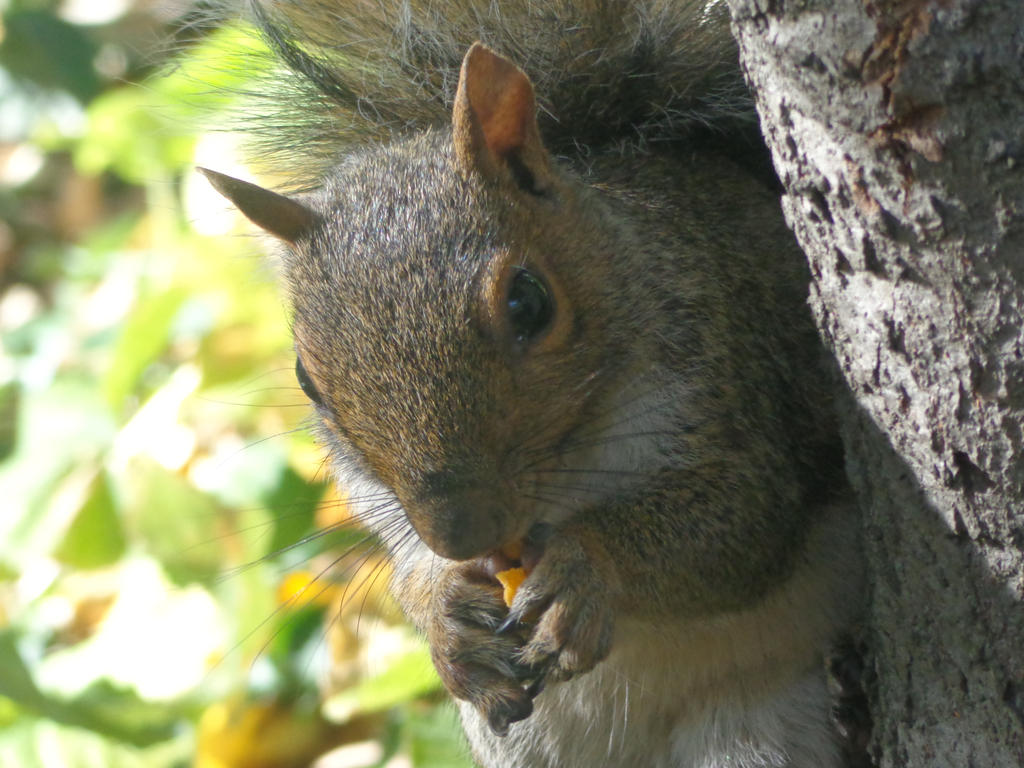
(571,337)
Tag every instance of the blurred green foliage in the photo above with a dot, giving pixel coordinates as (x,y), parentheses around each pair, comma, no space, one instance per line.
(170,586)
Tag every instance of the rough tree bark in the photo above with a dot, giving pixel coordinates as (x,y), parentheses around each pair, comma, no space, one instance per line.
(897,127)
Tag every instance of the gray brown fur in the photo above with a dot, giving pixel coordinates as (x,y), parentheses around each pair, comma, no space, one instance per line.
(606,72)
(672,439)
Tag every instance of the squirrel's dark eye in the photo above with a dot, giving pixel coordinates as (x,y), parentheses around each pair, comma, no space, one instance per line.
(531,307)
(306,383)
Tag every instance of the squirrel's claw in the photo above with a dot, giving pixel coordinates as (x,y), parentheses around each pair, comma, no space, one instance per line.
(571,591)
(476,663)
(510,711)
(510,623)
(536,688)
(539,678)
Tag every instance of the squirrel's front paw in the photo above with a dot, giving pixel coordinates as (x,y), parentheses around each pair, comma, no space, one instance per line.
(476,663)
(569,597)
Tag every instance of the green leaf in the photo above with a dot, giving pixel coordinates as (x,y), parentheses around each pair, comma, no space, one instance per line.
(149,132)
(179,524)
(61,427)
(409,677)
(293,504)
(102,248)
(49,52)
(9,712)
(32,743)
(247,595)
(251,474)
(128,132)
(10,402)
(435,738)
(227,60)
(120,713)
(95,537)
(143,338)
(16,681)
(294,649)
(117,714)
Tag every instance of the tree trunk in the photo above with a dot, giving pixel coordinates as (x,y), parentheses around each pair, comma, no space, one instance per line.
(897,128)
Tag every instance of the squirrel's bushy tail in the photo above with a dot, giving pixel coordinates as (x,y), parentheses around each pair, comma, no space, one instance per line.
(606,71)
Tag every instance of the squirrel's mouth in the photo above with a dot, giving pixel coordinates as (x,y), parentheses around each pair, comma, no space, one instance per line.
(504,558)
(512,563)
(523,552)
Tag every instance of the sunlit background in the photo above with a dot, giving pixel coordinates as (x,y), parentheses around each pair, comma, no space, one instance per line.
(165,599)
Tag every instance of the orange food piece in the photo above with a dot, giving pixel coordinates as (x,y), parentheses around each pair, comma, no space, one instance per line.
(510,581)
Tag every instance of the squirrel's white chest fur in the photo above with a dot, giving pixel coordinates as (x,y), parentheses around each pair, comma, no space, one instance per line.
(648,706)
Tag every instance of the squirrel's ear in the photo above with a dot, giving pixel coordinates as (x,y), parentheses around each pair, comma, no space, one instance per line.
(494,121)
(279,215)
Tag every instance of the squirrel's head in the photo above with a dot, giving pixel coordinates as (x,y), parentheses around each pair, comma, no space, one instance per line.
(441,323)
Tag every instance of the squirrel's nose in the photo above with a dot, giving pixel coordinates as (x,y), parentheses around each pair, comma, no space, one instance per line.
(457,520)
